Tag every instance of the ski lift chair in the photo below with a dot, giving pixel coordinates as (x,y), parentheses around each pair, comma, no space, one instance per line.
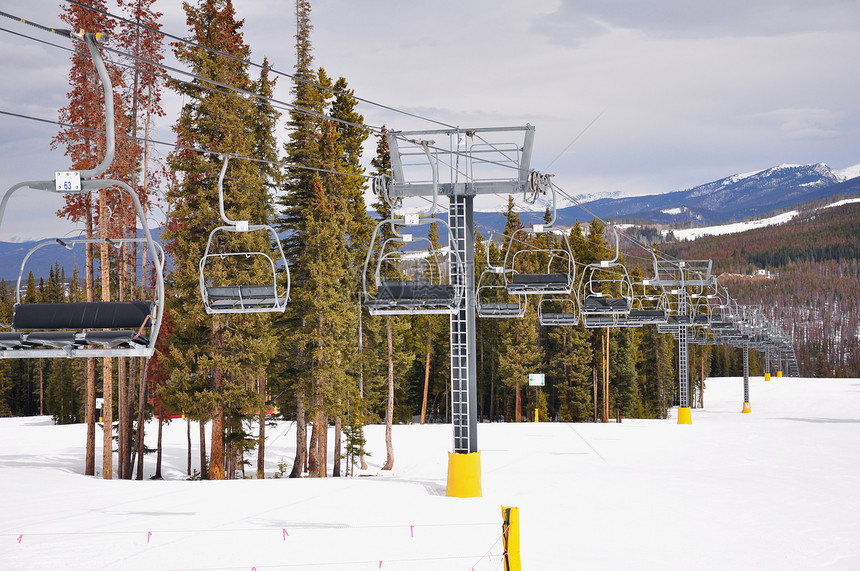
(599,308)
(409,282)
(647,307)
(491,295)
(558,310)
(224,260)
(81,329)
(525,252)
(492,298)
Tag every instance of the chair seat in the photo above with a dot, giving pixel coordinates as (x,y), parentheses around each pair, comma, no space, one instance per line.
(57,339)
(558,319)
(415,293)
(539,282)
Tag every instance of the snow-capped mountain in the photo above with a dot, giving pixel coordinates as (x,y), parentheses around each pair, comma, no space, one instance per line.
(735,197)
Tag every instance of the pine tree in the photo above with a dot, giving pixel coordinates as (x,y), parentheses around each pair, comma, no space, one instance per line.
(226,354)
(520,355)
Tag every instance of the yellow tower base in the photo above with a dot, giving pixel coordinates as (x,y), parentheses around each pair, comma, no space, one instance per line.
(767,376)
(746,408)
(779,373)
(684,415)
(464,475)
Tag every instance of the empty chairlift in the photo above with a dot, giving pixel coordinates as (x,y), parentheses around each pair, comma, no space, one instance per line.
(559,310)
(491,295)
(405,274)
(243,269)
(648,305)
(117,328)
(605,292)
(83,329)
(539,259)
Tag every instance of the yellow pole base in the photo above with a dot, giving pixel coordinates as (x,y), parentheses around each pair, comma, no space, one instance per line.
(684,415)
(767,376)
(746,408)
(779,373)
(464,475)
(511,538)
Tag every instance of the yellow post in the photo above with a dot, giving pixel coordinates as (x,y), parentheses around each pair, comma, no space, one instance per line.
(746,408)
(537,415)
(779,373)
(464,475)
(684,415)
(767,376)
(511,538)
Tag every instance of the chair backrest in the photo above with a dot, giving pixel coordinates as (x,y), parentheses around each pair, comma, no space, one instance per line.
(82,315)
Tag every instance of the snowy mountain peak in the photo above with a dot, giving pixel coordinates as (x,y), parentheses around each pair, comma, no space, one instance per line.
(848,173)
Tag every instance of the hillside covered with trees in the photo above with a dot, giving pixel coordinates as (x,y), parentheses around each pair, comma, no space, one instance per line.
(809,284)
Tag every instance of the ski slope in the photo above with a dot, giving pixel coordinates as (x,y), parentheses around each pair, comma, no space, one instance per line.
(774,489)
(734,228)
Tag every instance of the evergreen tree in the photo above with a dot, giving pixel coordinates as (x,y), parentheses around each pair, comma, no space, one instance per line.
(219,358)
(520,355)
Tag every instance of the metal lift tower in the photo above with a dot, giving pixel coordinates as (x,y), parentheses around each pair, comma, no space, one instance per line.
(468,162)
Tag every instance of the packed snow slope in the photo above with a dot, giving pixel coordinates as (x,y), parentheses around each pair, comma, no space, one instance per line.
(774,489)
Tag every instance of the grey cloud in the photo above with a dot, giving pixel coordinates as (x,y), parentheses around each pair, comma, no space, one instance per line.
(576,20)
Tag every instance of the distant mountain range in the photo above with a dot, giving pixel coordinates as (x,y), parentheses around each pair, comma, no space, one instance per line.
(732,198)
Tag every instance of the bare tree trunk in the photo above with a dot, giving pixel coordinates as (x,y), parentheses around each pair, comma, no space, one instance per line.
(604,414)
(301,439)
(124,406)
(204,475)
(157,475)
(122,442)
(216,453)
(261,437)
(141,418)
(594,374)
(188,435)
(338,428)
(362,460)
(41,387)
(389,408)
(261,447)
(426,376)
(230,459)
(107,362)
(518,403)
(90,466)
(322,444)
(312,458)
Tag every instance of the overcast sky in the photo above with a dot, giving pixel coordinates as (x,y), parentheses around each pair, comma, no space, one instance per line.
(686,91)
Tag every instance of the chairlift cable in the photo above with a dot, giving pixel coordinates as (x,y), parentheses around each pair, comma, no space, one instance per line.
(178,146)
(575,139)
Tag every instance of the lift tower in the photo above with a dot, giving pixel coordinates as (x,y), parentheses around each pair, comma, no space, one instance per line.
(676,277)
(463,163)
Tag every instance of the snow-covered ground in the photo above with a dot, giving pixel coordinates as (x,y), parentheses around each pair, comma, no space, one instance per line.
(774,489)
